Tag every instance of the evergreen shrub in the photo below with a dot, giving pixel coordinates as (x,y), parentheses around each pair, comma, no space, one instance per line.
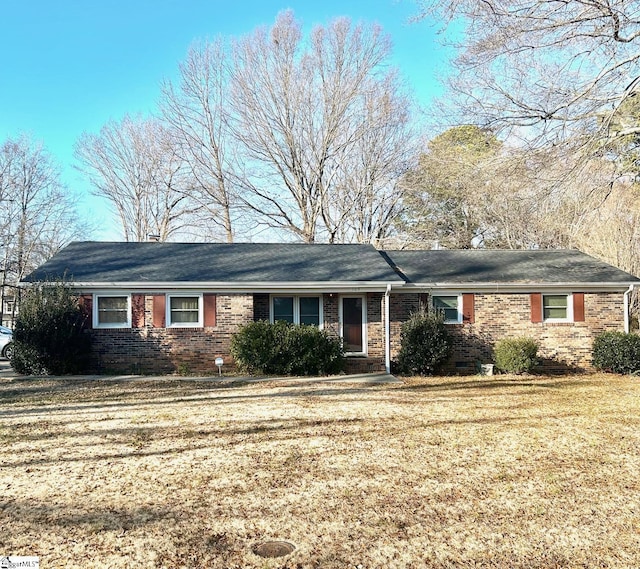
(425,343)
(282,348)
(516,355)
(49,333)
(618,352)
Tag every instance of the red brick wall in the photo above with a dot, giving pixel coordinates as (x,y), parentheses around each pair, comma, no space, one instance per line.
(330,313)
(261,307)
(375,325)
(563,346)
(401,306)
(150,349)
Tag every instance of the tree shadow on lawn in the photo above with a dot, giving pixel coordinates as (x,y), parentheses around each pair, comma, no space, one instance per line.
(35,513)
(486,384)
(184,537)
(42,388)
(139,435)
(145,399)
(273,429)
(133,454)
(143,437)
(368,393)
(145,394)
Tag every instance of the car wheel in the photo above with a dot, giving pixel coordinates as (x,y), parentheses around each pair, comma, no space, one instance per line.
(7,351)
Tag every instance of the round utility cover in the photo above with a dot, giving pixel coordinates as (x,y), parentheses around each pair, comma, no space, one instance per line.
(274,549)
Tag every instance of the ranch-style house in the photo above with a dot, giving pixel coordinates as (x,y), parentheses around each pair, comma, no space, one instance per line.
(156,306)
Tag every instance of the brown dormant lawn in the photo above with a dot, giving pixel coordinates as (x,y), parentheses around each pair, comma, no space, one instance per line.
(438,472)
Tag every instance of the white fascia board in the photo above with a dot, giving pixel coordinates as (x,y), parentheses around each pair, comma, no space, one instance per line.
(272,287)
(516,287)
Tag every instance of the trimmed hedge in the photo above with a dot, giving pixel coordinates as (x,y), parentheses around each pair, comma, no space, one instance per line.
(618,352)
(49,335)
(516,355)
(426,343)
(286,349)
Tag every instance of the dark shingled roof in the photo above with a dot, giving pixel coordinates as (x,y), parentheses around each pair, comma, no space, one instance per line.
(100,262)
(517,267)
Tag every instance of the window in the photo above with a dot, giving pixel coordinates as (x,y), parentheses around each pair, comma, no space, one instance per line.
(556,307)
(353,314)
(283,308)
(309,310)
(450,306)
(184,311)
(297,309)
(111,311)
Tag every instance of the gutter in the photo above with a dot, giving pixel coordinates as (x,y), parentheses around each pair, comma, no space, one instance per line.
(387,330)
(516,287)
(627,305)
(343,286)
(273,287)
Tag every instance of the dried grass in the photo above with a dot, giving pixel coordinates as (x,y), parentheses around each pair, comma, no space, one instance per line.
(439,472)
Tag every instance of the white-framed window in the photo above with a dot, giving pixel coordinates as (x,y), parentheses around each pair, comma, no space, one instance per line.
(353,324)
(557,307)
(112,311)
(450,305)
(296,309)
(184,310)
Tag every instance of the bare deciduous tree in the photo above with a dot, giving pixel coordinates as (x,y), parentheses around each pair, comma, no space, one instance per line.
(367,194)
(612,231)
(541,199)
(273,131)
(37,214)
(133,164)
(553,68)
(197,113)
(321,126)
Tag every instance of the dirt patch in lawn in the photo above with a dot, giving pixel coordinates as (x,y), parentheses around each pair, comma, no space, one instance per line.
(438,472)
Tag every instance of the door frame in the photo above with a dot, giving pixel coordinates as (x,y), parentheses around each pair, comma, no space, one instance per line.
(364,322)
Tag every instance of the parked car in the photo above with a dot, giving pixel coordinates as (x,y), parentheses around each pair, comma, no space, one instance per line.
(6,342)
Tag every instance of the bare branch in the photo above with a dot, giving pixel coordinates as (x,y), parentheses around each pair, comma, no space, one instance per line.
(555,67)
(310,118)
(133,164)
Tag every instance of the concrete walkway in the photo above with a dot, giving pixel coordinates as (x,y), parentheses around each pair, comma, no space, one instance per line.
(7,373)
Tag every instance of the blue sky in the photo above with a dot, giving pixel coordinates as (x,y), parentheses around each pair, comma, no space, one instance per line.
(68,66)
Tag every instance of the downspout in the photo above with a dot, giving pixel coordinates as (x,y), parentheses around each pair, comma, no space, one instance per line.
(387,331)
(627,304)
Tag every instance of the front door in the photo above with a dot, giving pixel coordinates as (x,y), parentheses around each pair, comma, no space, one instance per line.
(353,324)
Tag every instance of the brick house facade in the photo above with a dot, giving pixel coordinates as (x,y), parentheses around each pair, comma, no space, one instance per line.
(563,345)
(148,346)
(149,316)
